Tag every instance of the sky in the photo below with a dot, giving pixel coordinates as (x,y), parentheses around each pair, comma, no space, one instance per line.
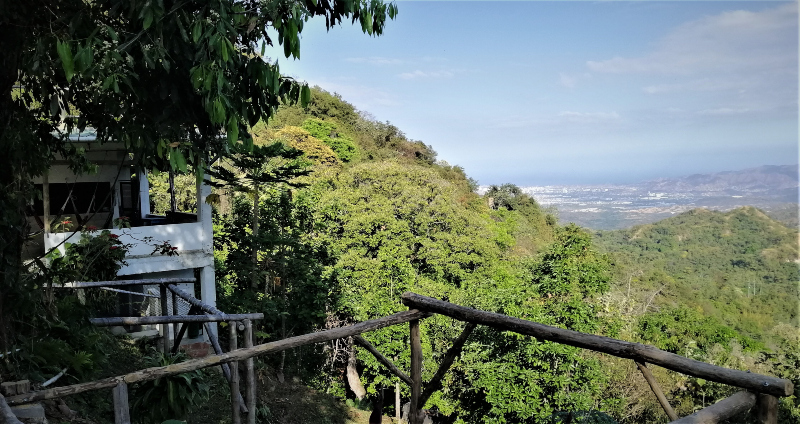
(538,93)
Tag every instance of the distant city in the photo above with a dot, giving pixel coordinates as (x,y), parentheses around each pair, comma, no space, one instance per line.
(773,189)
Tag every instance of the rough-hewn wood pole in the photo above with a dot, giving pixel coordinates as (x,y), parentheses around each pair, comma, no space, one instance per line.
(251,373)
(382,359)
(416,373)
(397,400)
(142,282)
(651,380)
(622,349)
(169,319)
(234,381)
(767,409)
(212,361)
(729,407)
(6,416)
(164,302)
(122,414)
(226,371)
(436,382)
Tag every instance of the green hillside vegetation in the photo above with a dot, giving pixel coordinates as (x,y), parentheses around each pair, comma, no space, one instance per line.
(739,267)
(333,215)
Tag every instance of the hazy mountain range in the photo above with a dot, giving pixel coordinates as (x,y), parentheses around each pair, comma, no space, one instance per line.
(772,188)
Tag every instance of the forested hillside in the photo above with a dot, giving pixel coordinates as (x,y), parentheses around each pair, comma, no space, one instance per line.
(740,267)
(379,215)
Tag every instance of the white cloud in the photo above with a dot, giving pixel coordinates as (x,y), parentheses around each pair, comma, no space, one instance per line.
(567,81)
(730,42)
(361,96)
(425,74)
(724,111)
(375,60)
(589,117)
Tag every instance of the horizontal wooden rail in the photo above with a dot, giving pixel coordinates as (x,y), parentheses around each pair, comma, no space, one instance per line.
(143,282)
(636,351)
(238,355)
(733,406)
(171,319)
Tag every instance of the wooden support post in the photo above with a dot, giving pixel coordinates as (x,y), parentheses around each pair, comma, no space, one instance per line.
(651,380)
(175,312)
(164,301)
(414,414)
(251,374)
(192,311)
(767,406)
(382,359)
(46,202)
(397,401)
(733,406)
(436,382)
(235,396)
(122,414)
(226,371)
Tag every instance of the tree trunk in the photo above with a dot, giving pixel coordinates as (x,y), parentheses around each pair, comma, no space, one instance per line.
(353,378)
(256,217)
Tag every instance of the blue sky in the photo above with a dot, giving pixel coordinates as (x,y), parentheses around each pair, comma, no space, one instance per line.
(541,93)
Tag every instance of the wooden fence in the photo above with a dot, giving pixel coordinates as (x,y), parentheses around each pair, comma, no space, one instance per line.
(761,391)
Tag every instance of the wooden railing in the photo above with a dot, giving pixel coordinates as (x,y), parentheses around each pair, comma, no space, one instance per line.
(761,390)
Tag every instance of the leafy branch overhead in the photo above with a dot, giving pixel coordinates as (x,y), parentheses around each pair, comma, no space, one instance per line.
(168,78)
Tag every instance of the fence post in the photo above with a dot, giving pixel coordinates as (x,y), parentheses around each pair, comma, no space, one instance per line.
(416,373)
(251,375)
(164,301)
(122,414)
(767,406)
(234,381)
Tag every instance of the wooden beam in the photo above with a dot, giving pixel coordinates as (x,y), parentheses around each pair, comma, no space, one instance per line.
(651,380)
(164,302)
(416,373)
(250,374)
(205,307)
(733,406)
(622,349)
(6,416)
(234,380)
(142,282)
(226,371)
(177,344)
(210,361)
(767,409)
(170,319)
(382,359)
(122,415)
(436,382)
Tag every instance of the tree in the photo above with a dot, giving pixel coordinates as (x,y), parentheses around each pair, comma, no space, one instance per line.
(167,78)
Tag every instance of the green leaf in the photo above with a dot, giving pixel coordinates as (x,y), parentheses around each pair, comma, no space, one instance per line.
(65,53)
(180,160)
(233,130)
(305,96)
(197,30)
(148,18)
